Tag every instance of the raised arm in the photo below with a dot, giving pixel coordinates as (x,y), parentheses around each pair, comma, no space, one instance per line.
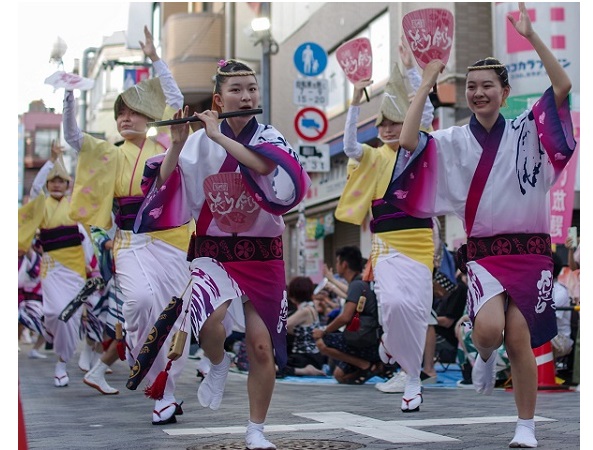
(415,79)
(41,177)
(558,77)
(173,94)
(408,138)
(353,148)
(72,134)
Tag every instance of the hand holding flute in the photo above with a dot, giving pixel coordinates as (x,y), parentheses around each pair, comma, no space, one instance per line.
(196,118)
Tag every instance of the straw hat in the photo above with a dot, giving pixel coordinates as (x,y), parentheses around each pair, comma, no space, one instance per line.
(59,170)
(146,97)
(394,105)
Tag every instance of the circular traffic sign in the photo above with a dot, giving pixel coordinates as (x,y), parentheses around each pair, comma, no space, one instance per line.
(310,124)
(310,59)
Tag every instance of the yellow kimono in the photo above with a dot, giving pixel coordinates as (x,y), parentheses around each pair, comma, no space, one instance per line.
(105,172)
(47,212)
(367,181)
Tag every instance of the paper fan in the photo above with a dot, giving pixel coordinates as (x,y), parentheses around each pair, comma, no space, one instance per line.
(233,208)
(69,81)
(430,34)
(355,57)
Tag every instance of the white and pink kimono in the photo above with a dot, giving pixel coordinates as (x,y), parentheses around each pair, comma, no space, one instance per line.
(236,252)
(508,224)
(31,293)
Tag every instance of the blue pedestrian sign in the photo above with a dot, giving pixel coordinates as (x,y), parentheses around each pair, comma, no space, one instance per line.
(310,59)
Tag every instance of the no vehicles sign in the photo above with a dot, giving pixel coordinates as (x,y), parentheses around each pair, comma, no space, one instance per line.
(310,124)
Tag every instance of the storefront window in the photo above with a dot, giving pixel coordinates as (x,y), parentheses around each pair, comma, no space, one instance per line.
(43,141)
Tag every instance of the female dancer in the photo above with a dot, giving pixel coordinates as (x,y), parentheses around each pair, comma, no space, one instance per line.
(236,179)
(495,174)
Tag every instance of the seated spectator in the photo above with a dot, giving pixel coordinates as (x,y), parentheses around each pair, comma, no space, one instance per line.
(573,282)
(441,341)
(304,357)
(574,288)
(562,343)
(353,364)
(327,306)
(335,284)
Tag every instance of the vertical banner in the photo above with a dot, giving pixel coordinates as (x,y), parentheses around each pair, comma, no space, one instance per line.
(562,193)
(135,76)
(558,26)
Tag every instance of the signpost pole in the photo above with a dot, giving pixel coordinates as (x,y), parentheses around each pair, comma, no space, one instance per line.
(265,68)
(302,240)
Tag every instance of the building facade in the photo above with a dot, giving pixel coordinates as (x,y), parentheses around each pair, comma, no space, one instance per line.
(38,128)
(194,36)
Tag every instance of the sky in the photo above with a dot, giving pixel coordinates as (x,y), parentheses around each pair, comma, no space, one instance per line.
(81,25)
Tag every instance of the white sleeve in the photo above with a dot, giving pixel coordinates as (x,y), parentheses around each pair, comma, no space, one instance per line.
(72,134)
(172,93)
(352,147)
(428,111)
(40,179)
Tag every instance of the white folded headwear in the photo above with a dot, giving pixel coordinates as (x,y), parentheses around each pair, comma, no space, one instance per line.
(395,103)
(59,171)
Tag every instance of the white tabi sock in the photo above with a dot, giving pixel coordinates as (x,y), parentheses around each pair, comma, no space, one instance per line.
(484,374)
(254,437)
(524,434)
(212,386)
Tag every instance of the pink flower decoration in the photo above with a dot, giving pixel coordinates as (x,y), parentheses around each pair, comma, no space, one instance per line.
(222,63)
(155,213)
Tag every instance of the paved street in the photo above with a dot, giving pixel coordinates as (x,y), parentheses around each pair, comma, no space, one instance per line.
(302,416)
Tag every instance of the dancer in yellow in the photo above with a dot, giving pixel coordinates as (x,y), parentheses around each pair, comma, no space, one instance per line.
(402,246)
(67,251)
(150,268)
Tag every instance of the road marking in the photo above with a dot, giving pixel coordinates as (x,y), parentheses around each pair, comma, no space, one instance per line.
(394,431)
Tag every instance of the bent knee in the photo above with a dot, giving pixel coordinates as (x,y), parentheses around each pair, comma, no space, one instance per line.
(261,352)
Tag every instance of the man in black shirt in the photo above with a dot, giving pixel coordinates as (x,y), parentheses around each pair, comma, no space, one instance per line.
(355,353)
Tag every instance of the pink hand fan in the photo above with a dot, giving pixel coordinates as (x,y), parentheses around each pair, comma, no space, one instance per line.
(233,208)
(355,57)
(430,34)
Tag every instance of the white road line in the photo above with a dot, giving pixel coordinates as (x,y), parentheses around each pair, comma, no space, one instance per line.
(394,431)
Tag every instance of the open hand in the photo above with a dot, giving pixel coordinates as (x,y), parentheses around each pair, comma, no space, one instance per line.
(148,45)
(56,150)
(405,53)
(523,25)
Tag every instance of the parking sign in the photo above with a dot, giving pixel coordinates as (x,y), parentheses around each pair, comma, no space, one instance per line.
(310,92)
